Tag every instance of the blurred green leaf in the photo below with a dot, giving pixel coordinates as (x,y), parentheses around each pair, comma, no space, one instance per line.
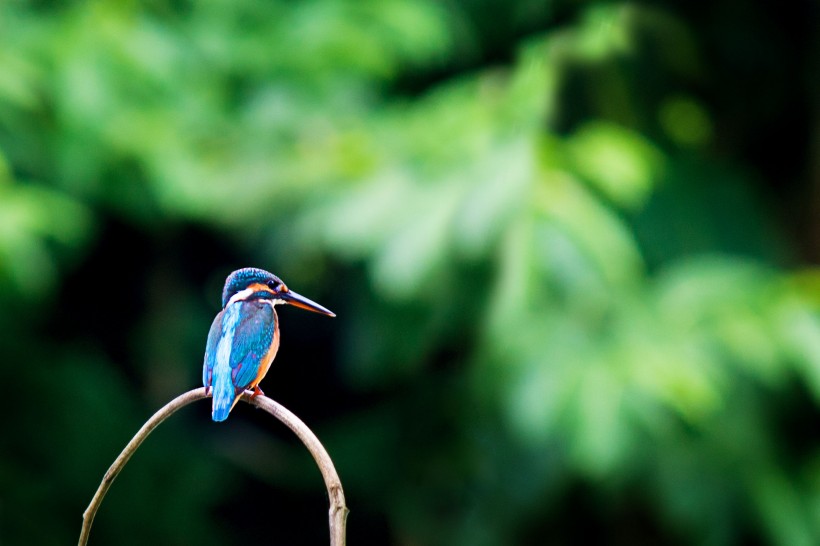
(619,163)
(573,302)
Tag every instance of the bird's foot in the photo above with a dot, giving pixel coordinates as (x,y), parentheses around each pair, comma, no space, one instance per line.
(257,392)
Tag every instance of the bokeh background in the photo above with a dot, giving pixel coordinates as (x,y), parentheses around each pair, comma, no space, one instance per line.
(572,247)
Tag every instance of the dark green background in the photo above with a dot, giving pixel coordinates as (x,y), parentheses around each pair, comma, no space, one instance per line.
(572,247)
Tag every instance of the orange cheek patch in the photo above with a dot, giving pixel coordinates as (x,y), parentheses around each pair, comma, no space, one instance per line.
(259,287)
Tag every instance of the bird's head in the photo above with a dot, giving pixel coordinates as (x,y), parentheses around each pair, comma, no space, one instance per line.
(251,283)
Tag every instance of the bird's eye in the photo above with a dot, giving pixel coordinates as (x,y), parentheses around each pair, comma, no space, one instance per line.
(277,286)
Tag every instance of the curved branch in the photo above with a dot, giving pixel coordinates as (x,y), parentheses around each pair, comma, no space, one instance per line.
(338,510)
(152,423)
(337,516)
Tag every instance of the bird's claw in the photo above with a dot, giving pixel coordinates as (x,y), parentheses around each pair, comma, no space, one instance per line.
(257,392)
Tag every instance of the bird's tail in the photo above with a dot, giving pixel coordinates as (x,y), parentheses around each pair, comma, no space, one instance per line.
(224,397)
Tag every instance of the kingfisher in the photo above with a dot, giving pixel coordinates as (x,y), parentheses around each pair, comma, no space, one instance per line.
(244,336)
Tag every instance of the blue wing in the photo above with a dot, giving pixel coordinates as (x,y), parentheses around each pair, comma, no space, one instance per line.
(210,350)
(252,340)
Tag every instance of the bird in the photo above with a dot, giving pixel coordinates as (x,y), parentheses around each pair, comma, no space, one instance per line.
(244,336)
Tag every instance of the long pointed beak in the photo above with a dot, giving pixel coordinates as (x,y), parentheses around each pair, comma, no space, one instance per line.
(298,300)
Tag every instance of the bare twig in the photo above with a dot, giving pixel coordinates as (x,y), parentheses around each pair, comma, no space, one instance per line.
(337,516)
(338,510)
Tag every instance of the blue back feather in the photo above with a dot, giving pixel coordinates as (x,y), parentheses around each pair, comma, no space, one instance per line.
(217,370)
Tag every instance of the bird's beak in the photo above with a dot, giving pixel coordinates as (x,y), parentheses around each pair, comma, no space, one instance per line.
(298,300)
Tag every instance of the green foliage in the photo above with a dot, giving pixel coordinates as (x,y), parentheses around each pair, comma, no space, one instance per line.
(554,275)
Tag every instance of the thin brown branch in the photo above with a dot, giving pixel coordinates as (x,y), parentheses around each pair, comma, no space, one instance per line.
(337,516)
(338,510)
(122,459)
